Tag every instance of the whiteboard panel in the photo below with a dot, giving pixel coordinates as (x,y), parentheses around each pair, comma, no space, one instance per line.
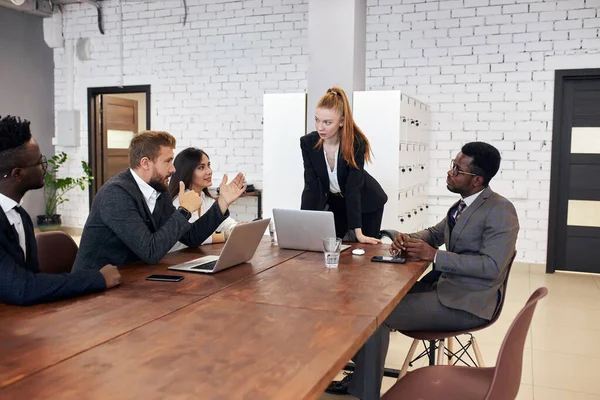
(378,115)
(284,122)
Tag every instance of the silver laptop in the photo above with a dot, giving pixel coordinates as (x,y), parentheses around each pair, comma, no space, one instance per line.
(239,248)
(303,229)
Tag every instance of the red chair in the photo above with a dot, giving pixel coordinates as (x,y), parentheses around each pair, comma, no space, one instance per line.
(450,382)
(436,339)
(56,252)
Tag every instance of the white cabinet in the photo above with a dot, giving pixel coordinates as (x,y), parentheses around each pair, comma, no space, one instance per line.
(397,126)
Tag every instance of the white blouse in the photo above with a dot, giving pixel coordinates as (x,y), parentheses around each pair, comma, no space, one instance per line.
(334,185)
(207,202)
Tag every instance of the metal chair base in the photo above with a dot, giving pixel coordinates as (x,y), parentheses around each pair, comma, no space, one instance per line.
(389,372)
(460,356)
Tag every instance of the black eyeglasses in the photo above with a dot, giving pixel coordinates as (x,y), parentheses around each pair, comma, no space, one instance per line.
(43,162)
(456,171)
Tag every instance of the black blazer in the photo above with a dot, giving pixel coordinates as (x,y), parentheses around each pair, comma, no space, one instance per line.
(121,229)
(21,282)
(363,194)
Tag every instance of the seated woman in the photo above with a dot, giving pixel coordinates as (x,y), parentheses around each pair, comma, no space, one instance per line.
(192,167)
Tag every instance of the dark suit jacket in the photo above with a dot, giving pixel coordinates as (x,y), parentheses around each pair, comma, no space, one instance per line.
(121,229)
(362,192)
(21,282)
(478,251)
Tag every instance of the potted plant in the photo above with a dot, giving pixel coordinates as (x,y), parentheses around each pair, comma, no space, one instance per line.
(55,189)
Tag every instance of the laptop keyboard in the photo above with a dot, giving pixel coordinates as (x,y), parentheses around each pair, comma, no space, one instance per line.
(209,266)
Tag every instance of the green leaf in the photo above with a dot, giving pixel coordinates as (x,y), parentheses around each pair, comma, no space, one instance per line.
(56,188)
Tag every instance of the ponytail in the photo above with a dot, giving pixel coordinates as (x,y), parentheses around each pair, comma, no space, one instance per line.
(335,99)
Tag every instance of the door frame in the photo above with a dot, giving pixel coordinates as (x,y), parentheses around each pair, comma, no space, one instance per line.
(92,92)
(556,236)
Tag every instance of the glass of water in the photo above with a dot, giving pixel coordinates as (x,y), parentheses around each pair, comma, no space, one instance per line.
(332,247)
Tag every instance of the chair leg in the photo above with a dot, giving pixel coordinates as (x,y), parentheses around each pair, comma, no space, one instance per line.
(440,356)
(478,355)
(432,352)
(450,349)
(409,356)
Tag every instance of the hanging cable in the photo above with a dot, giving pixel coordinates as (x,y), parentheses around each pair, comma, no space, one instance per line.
(99,10)
(121,57)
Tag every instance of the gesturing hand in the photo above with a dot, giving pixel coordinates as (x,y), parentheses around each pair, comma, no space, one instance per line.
(230,192)
(191,200)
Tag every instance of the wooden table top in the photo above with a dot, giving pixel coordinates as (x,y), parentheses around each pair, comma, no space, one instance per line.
(212,350)
(34,338)
(357,286)
(279,327)
(266,257)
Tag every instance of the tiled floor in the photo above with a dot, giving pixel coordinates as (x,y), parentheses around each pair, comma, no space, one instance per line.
(561,361)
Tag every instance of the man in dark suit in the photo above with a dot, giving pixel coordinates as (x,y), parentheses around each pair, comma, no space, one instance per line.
(133,217)
(465,287)
(22,168)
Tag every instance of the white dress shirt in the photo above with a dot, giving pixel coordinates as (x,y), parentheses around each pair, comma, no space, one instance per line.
(207,202)
(8,206)
(468,201)
(150,194)
(334,186)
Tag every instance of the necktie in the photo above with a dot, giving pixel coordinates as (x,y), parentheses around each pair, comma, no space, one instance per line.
(25,226)
(453,217)
(461,206)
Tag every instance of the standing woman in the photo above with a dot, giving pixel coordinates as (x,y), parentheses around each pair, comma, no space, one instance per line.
(334,175)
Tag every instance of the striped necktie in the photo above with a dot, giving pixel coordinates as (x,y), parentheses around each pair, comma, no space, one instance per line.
(461,206)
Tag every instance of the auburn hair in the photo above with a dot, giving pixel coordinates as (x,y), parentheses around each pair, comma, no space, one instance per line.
(335,99)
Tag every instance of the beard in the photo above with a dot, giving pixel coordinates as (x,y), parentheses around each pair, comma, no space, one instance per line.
(452,189)
(157,182)
(35,184)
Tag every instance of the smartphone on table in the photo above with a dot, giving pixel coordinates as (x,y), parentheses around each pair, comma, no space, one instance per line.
(389,259)
(165,278)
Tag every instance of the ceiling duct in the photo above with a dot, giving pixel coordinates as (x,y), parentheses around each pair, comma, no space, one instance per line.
(93,3)
(41,8)
(45,8)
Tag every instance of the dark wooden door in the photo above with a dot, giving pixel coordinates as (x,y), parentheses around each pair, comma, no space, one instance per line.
(116,122)
(574,226)
(119,124)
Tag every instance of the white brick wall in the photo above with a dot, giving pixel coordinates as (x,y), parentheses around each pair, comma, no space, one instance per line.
(207,78)
(486,67)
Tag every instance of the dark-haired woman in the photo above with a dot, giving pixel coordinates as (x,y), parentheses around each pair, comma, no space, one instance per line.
(334,175)
(192,167)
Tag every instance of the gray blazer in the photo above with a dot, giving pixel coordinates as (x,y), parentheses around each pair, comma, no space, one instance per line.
(121,229)
(479,250)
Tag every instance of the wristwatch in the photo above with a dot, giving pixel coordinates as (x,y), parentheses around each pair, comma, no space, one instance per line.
(185,212)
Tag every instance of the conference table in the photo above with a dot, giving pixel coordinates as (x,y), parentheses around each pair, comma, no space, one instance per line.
(280,326)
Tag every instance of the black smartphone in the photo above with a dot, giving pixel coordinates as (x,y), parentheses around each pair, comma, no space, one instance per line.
(388,259)
(165,278)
